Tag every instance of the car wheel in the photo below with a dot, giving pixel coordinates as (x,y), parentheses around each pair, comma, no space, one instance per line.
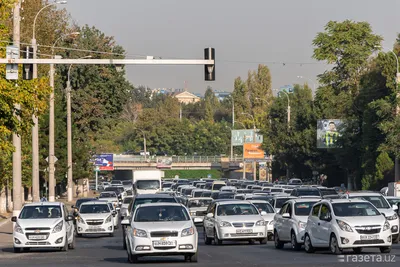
(385,249)
(191,257)
(111,234)
(131,258)
(334,246)
(295,245)
(217,241)
(308,247)
(17,250)
(207,240)
(72,245)
(124,243)
(65,247)
(263,241)
(251,242)
(357,250)
(278,244)
(396,239)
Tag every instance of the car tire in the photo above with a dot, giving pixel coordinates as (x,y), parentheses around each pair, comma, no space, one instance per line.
(131,258)
(191,257)
(17,250)
(124,243)
(251,242)
(65,247)
(278,244)
(334,245)
(385,249)
(207,240)
(357,250)
(263,241)
(396,240)
(293,240)
(111,234)
(308,247)
(73,244)
(217,241)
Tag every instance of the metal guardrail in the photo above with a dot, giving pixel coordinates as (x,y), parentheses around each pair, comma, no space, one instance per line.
(175,159)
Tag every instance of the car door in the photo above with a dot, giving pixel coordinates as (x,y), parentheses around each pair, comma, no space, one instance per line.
(69,225)
(279,220)
(208,223)
(287,223)
(312,223)
(324,225)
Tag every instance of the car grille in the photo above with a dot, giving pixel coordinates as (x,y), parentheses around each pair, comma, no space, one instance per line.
(98,222)
(37,228)
(369,242)
(37,243)
(368,232)
(95,230)
(164,233)
(368,229)
(244,234)
(239,225)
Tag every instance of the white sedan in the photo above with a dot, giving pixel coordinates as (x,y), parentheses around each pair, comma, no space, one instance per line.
(263,205)
(161,229)
(95,218)
(43,225)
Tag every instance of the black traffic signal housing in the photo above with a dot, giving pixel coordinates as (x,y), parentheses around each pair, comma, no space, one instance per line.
(209,70)
(27,69)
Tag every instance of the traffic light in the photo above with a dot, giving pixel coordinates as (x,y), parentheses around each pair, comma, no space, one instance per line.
(27,69)
(209,70)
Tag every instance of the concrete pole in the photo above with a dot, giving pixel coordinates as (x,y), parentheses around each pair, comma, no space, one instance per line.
(51,137)
(254,162)
(97,180)
(145,147)
(69,142)
(244,161)
(16,139)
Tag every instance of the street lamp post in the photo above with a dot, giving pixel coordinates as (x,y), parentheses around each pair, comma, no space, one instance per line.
(69,134)
(288,108)
(35,127)
(311,81)
(254,141)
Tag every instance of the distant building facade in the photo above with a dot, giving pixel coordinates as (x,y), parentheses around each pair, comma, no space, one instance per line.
(221,95)
(186,97)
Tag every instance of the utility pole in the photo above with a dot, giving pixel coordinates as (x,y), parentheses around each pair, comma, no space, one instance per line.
(35,133)
(244,160)
(51,136)
(69,141)
(233,126)
(16,139)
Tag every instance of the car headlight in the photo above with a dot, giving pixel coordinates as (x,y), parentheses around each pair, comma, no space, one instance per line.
(193,213)
(302,225)
(386,226)
(18,229)
(139,233)
(344,226)
(260,223)
(108,220)
(225,224)
(188,231)
(393,217)
(80,220)
(58,227)
(271,222)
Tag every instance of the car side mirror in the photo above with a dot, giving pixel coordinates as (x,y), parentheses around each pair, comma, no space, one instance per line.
(210,215)
(286,215)
(114,213)
(14,218)
(69,218)
(263,213)
(125,222)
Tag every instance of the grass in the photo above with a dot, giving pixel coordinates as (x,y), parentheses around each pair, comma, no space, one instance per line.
(193,174)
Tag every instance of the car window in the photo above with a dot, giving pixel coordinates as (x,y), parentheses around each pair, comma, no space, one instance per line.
(283,209)
(325,211)
(95,208)
(40,212)
(315,210)
(303,209)
(161,213)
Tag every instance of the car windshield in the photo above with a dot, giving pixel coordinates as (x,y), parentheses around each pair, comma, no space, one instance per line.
(161,214)
(115,189)
(188,191)
(264,207)
(108,195)
(198,203)
(226,195)
(197,193)
(218,186)
(127,200)
(126,182)
(280,201)
(236,209)
(303,208)
(166,185)
(378,201)
(148,184)
(153,200)
(326,192)
(40,212)
(206,194)
(80,201)
(354,209)
(95,208)
(393,201)
(214,194)
(276,190)
(116,182)
(308,193)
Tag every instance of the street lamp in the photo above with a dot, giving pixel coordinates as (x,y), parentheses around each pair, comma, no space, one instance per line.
(35,127)
(311,81)
(52,123)
(397,78)
(288,107)
(69,133)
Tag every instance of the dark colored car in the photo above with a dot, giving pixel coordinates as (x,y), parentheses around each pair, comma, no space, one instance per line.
(226,195)
(306,191)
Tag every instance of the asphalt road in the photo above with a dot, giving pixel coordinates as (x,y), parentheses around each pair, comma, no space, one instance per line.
(108,251)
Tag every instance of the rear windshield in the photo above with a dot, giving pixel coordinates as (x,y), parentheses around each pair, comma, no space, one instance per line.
(326,192)
(205,194)
(280,201)
(308,193)
(303,209)
(107,195)
(217,186)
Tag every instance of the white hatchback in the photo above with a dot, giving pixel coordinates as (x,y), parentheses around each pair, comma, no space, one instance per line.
(340,224)
(43,225)
(263,205)
(161,229)
(95,218)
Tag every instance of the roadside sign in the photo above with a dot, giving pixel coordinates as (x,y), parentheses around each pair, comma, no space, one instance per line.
(104,162)
(209,176)
(239,137)
(253,151)
(12,52)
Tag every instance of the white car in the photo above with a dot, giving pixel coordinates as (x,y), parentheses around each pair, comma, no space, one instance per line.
(198,207)
(95,218)
(43,225)
(234,220)
(340,224)
(125,206)
(161,229)
(291,221)
(278,201)
(109,196)
(263,205)
(383,206)
(227,188)
(114,210)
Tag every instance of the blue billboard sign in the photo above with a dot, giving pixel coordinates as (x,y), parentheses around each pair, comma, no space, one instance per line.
(105,162)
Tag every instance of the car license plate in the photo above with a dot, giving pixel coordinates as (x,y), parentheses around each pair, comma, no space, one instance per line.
(164,244)
(94,227)
(244,231)
(37,237)
(369,237)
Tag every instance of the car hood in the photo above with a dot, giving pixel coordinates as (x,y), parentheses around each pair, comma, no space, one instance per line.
(162,226)
(240,218)
(94,216)
(32,223)
(363,220)
(269,217)
(387,212)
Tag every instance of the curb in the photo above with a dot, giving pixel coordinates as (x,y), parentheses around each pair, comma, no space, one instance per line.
(6,220)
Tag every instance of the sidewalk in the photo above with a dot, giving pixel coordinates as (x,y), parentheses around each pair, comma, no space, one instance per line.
(6,228)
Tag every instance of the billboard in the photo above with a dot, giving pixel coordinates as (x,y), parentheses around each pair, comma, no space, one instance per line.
(329,132)
(253,151)
(104,162)
(164,162)
(262,173)
(239,137)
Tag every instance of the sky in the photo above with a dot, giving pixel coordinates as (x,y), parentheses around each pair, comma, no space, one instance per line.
(244,33)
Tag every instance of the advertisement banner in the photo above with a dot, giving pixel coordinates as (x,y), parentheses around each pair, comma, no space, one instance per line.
(104,162)
(164,162)
(329,132)
(262,173)
(253,151)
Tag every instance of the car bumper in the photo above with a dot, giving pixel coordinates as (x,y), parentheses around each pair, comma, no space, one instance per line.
(56,240)
(346,240)
(300,236)
(146,246)
(394,226)
(106,228)
(240,233)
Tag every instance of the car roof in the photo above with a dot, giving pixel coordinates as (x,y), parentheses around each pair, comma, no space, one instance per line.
(392,197)
(364,194)
(282,196)
(108,192)
(344,200)
(43,204)
(160,204)
(233,201)
(95,202)
(144,196)
(200,198)
(258,201)
(298,200)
